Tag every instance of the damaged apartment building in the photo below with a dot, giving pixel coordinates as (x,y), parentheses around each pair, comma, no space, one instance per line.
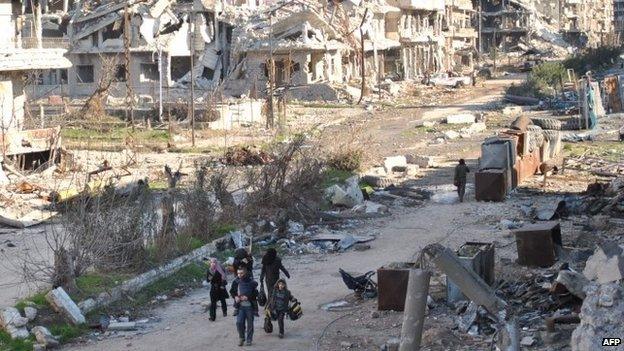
(314,45)
(155,39)
(19,57)
(507,23)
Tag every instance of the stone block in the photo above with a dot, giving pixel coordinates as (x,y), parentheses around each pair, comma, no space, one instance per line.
(62,303)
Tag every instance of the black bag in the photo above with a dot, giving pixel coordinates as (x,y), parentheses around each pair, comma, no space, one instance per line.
(262,298)
(295,311)
(268,326)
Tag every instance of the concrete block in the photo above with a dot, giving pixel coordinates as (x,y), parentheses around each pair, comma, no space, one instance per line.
(17,332)
(11,316)
(30,312)
(461,118)
(394,161)
(421,161)
(451,134)
(122,326)
(44,337)
(62,303)
(606,264)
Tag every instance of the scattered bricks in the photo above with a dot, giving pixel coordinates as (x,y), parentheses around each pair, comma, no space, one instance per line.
(462,118)
(606,264)
(394,161)
(62,303)
(10,316)
(44,337)
(537,244)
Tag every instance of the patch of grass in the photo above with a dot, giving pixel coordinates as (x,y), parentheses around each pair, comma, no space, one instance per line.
(190,275)
(115,134)
(158,185)
(194,150)
(608,150)
(223,228)
(8,344)
(188,243)
(335,176)
(66,332)
(223,255)
(38,299)
(92,284)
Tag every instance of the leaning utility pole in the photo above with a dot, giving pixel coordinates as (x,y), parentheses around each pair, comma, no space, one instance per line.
(363,61)
(271,70)
(192,46)
(129,94)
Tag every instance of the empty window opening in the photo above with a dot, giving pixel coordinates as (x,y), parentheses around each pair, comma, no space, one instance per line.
(120,73)
(84,74)
(149,72)
(180,66)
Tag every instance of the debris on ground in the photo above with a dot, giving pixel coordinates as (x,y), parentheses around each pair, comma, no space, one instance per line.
(246,156)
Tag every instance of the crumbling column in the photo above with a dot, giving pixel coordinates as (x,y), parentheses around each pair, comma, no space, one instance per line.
(414,312)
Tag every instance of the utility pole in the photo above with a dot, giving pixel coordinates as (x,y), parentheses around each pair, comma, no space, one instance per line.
(271,71)
(129,94)
(363,60)
(192,47)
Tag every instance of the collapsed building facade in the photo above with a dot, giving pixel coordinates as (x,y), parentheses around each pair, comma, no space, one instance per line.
(19,56)
(230,43)
(314,46)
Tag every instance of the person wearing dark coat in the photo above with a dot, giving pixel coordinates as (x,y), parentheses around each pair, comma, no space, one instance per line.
(271,267)
(279,303)
(244,291)
(216,277)
(243,259)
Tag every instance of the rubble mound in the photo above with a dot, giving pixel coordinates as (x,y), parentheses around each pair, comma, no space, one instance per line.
(246,156)
(601,316)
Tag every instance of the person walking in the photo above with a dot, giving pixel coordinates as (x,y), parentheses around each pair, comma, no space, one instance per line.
(461,171)
(216,277)
(279,303)
(242,259)
(244,291)
(270,272)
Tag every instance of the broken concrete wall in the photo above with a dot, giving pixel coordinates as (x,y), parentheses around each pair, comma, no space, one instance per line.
(242,113)
(12,99)
(601,317)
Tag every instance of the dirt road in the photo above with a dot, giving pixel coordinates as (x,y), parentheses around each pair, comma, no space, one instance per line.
(184,326)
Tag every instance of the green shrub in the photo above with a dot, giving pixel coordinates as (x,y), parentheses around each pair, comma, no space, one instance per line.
(593,59)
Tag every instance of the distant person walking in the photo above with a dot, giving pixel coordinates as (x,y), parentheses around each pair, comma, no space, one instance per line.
(244,291)
(461,171)
(216,277)
(271,267)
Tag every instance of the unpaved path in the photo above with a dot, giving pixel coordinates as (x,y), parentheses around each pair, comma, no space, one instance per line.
(184,326)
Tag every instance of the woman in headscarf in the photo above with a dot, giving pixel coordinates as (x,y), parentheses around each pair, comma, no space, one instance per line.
(218,292)
(271,267)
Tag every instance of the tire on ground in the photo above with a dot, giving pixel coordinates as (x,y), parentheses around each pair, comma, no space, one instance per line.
(548,123)
(378,181)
